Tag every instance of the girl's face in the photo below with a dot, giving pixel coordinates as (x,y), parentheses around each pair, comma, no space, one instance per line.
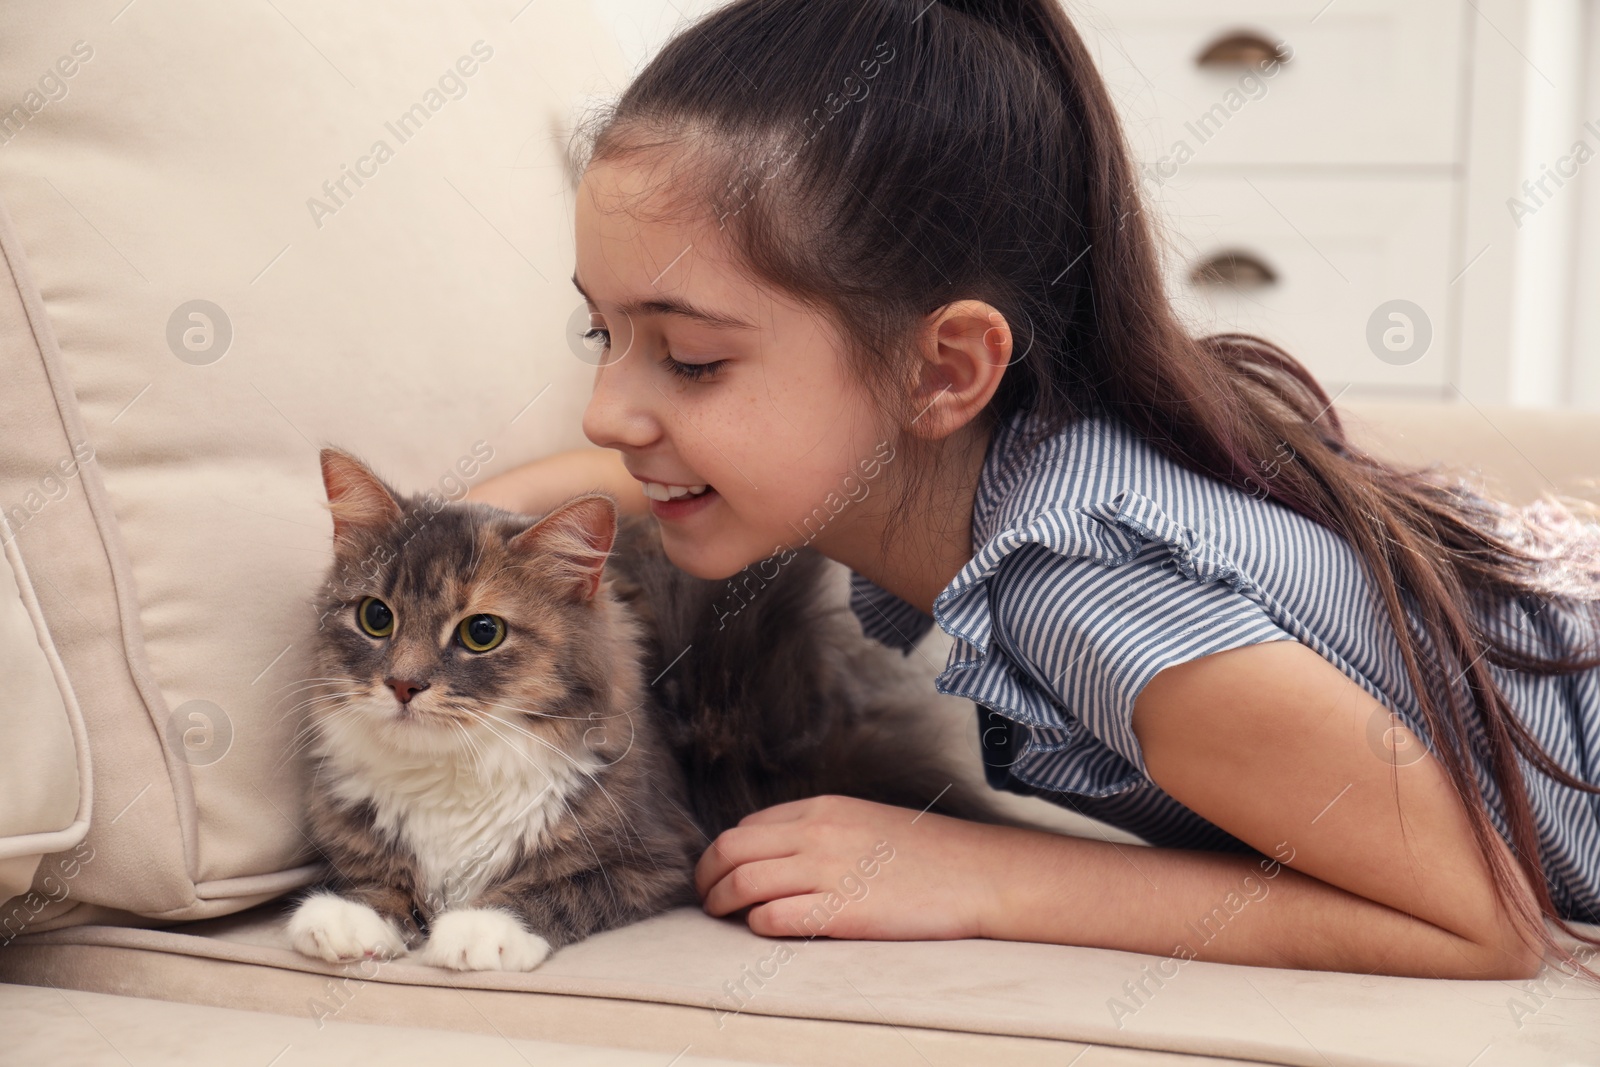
(713,380)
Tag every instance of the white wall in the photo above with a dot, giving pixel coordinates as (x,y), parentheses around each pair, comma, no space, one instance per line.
(1584,371)
(1547,242)
(642,26)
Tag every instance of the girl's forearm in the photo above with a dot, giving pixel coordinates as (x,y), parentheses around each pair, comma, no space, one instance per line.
(1218,907)
(536,487)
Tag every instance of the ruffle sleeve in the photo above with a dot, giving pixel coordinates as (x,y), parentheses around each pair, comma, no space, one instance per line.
(1060,623)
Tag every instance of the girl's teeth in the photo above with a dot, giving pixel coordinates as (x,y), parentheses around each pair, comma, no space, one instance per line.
(658,491)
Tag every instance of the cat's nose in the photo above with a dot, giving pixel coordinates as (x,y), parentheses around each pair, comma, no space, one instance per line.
(403,689)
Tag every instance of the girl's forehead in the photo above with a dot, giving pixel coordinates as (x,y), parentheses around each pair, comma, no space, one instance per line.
(636,193)
(626,212)
(638,242)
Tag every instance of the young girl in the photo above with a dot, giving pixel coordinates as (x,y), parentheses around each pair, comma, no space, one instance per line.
(871,276)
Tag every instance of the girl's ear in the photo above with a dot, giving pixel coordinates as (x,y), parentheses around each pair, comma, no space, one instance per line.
(965,349)
(577,538)
(359,499)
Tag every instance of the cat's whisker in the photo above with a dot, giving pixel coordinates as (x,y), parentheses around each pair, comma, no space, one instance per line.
(478,755)
(599,863)
(466,746)
(307,734)
(545,715)
(326,693)
(594,778)
(486,720)
(312,702)
(308,727)
(310,733)
(307,682)
(311,678)
(490,577)
(308,711)
(591,775)
(479,544)
(466,721)
(628,712)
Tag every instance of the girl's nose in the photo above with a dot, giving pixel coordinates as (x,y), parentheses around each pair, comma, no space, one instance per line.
(617,416)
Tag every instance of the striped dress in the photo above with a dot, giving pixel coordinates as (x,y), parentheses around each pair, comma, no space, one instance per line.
(1098,561)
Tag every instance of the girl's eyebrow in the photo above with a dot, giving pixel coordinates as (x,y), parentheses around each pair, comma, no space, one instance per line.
(669,305)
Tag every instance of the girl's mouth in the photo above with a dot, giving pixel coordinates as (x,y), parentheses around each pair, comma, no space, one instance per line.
(681,507)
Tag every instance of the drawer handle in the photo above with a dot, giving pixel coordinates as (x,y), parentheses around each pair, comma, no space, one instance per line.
(1244,48)
(1233,269)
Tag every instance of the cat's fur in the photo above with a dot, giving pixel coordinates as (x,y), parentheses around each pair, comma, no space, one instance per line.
(566,781)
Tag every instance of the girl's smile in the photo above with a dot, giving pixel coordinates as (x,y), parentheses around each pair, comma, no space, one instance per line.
(678,508)
(714,381)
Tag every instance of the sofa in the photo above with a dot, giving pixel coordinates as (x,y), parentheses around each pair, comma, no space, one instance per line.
(233,233)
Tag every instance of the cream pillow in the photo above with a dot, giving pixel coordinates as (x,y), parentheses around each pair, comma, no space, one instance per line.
(234,233)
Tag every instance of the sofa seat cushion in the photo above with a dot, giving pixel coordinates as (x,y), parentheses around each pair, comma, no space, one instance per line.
(1060,993)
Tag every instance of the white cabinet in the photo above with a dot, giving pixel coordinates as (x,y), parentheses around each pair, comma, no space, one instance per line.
(1308,259)
(1316,161)
(1368,82)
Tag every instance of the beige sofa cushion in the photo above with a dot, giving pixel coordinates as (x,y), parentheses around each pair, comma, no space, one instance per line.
(734,991)
(170,153)
(1521,453)
(44,772)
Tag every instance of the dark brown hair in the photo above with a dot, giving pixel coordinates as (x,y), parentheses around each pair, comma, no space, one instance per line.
(878,159)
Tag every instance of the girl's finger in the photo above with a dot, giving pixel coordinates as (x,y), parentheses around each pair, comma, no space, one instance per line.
(758,882)
(788,811)
(740,844)
(806,916)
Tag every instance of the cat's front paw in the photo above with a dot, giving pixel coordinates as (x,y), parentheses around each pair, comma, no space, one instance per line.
(482,939)
(329,927)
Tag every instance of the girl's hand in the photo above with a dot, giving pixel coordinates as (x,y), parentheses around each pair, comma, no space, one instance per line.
(842,867)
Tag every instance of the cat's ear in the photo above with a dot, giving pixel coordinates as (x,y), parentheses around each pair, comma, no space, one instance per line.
(576,537)
(359,499)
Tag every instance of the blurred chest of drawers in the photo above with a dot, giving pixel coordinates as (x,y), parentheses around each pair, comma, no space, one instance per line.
(1333,176)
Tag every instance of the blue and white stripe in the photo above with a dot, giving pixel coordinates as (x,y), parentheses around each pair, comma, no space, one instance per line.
(1098,562)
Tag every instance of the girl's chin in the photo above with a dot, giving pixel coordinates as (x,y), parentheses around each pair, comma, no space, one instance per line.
(711,560)
(699,560)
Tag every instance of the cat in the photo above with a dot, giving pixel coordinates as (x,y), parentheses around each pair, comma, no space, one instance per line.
(524,731)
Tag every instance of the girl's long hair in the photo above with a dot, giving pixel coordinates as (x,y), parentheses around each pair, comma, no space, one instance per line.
(878,159)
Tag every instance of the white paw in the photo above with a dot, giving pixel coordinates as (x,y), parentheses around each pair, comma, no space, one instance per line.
(482,939)
(329,927)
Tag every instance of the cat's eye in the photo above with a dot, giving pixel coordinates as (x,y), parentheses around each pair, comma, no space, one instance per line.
(480,633)
(375,617)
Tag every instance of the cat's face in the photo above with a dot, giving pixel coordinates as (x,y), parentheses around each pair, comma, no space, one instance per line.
(464,629)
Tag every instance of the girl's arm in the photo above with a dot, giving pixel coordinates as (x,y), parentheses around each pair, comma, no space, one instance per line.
(1378,874)
(1225,908)
(1280,748)
(538,487)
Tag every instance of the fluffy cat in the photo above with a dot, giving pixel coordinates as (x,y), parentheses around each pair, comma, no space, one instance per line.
(525,731)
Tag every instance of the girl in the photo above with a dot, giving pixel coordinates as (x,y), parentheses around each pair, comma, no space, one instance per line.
(872,277)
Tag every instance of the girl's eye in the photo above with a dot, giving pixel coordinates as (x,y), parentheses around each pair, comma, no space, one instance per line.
(375,617)
(598,339)
(480,633)
(693,372)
